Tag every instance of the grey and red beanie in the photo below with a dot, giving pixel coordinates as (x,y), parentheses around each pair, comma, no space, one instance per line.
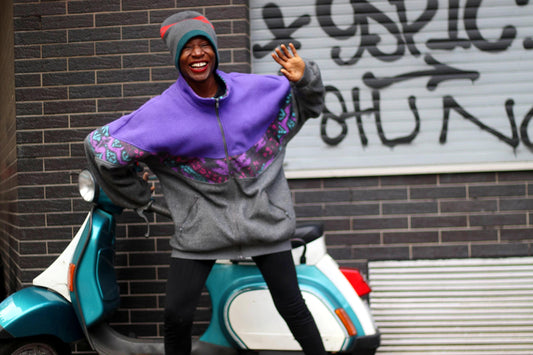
(179,28)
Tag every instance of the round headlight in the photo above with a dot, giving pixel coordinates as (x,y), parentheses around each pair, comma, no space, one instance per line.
(87,186)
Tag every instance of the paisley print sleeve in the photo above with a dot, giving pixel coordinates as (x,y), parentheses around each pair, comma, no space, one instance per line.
(112,150)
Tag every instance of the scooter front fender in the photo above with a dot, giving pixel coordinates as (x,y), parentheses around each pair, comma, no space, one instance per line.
(37,311)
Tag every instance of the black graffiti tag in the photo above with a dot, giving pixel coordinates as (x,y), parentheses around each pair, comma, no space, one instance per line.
(365,17)
(282,34)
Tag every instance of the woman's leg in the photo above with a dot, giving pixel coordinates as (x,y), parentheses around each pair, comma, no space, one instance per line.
(186,279)
(280,275)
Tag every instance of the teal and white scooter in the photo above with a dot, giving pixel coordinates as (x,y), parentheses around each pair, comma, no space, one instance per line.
(74,297)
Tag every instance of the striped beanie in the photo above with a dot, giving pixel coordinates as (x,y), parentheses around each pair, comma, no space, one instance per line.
(179,28)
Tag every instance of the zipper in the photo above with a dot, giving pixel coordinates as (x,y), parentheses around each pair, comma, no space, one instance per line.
(217,111)
(235,227)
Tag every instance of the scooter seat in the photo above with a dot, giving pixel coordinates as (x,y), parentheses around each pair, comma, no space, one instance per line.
(307,233)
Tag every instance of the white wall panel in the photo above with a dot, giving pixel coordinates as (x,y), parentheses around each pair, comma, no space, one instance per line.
(455,307)
(481,85)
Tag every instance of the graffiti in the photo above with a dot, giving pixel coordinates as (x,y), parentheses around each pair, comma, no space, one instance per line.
(401,32)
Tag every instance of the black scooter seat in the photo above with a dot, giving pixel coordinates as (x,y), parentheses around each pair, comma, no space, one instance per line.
(307,233)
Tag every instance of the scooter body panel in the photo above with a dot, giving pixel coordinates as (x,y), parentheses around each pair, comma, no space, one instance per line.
(247,318)
(36,311)
(96,293)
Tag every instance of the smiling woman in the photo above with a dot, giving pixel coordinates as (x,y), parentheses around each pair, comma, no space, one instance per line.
(216,141)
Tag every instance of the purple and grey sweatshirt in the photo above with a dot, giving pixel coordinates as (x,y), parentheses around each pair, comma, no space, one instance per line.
(219,161)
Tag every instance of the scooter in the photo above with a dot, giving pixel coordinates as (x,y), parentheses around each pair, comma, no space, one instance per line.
(75,296)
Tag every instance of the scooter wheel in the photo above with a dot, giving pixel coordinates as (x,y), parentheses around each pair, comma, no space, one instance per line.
(35,346)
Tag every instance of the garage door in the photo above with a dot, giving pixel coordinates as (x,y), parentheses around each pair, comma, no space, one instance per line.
(466,306)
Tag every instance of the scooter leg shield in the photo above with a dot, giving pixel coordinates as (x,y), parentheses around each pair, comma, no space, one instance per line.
(35,311)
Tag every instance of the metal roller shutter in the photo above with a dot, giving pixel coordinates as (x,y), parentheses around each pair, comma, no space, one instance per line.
(418,86)
(463,306)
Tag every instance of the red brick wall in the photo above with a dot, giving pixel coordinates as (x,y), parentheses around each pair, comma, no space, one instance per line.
(80,64)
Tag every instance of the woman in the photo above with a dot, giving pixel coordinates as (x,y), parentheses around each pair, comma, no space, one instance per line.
(216,141)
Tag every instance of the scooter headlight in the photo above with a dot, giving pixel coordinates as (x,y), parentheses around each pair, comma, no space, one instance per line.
(87,186)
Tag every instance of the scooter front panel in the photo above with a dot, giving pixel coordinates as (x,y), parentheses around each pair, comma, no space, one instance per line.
(35,311)
(96,294)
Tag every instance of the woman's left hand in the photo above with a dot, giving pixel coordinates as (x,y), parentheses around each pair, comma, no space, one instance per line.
(293,66)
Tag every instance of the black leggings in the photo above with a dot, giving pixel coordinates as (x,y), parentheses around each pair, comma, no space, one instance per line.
(280,275)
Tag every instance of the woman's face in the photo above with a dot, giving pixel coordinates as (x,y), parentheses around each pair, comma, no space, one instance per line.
(197,60)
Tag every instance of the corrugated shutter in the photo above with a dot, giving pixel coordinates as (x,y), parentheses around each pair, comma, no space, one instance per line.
(464,306)
(438,86)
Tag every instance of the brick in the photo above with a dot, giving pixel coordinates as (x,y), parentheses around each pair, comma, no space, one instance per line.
(92,63)
(147,287)
(44,178)
(95,91)
(516,204)
(28,52)
(226,12)
(27,23)
(69,106)
(91,120)
(32,108)
(409,207)
(469,235)
(440,252)
(410,237)
(68,21)
(351,209)
(136,273)
(147,60)
(88,6)
(113,105)
(40,66)
(379,223)
(350,182)
(68,78)
(516,234)
(27,165)
(469,206)
(39,9)
(37,151)
(144,89)
(309,211)
(437,192)
(500,250)
(63,191)
(68,50)
(41,122)
(165,74)
(464,178)
(353,238)
(41,94)
(121,76)
(67,135)
(29,137)
(323,196)
(496,190)
(122,46)
(438,221)
(121,18)
(48,205)
(94,34)
(40,37)
(408,180)
(379,194)
(65,219)
(498,219)
(31,192)
(381,253)
(129,5)
(141,32)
